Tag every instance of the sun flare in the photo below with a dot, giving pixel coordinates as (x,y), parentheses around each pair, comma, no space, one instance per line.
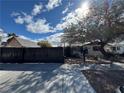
(85,8)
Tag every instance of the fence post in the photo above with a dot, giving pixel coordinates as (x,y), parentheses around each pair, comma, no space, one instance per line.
(0,55)
(23,54)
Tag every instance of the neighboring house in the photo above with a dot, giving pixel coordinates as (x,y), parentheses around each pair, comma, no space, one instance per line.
(93,48)
(16,41)
(3,44)
(115,48)
(76,44)
(76,49)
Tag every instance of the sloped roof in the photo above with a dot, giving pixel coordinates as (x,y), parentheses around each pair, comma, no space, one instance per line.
(117,43)
(76,44)
(25,42)
(92,43)
(122,43)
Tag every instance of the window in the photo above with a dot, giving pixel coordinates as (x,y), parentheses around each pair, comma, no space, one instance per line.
(114,48)
(96,48)
(118,48)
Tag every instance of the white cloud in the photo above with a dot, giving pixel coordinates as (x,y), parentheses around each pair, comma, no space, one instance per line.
(28,19)
(15,14)
(70,3)
(1,30)
(19,20)
(78,14)
(27,38)
(55,39)
(33,25)
(24,19)
(67,7)
(37,9)
(65,11)
(53,3)
(73,17)
(3,34)
(40,26)
(61,26)
(66,21)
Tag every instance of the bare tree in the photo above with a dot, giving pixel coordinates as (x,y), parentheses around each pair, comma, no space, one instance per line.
(104,22)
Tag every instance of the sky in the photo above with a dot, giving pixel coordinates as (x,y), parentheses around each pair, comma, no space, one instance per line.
(40,19)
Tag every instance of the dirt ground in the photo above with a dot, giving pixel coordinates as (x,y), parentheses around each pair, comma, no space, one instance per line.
(105,81)
(80,61)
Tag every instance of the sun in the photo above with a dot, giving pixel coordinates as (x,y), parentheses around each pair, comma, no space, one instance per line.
(85,8)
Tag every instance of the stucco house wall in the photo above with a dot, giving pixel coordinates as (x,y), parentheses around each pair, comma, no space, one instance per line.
(92,52)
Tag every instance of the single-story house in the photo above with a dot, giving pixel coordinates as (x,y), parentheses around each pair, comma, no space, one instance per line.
(3,44)
(75,49)
(16,41)
(115,48)
(93,48)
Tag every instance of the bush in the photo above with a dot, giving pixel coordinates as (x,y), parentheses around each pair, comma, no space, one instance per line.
(44,44)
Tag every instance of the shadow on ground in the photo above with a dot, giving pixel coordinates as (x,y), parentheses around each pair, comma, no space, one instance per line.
(29,67)
(43,78)
(105,79)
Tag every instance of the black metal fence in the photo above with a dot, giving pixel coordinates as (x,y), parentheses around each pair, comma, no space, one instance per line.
(29,55)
